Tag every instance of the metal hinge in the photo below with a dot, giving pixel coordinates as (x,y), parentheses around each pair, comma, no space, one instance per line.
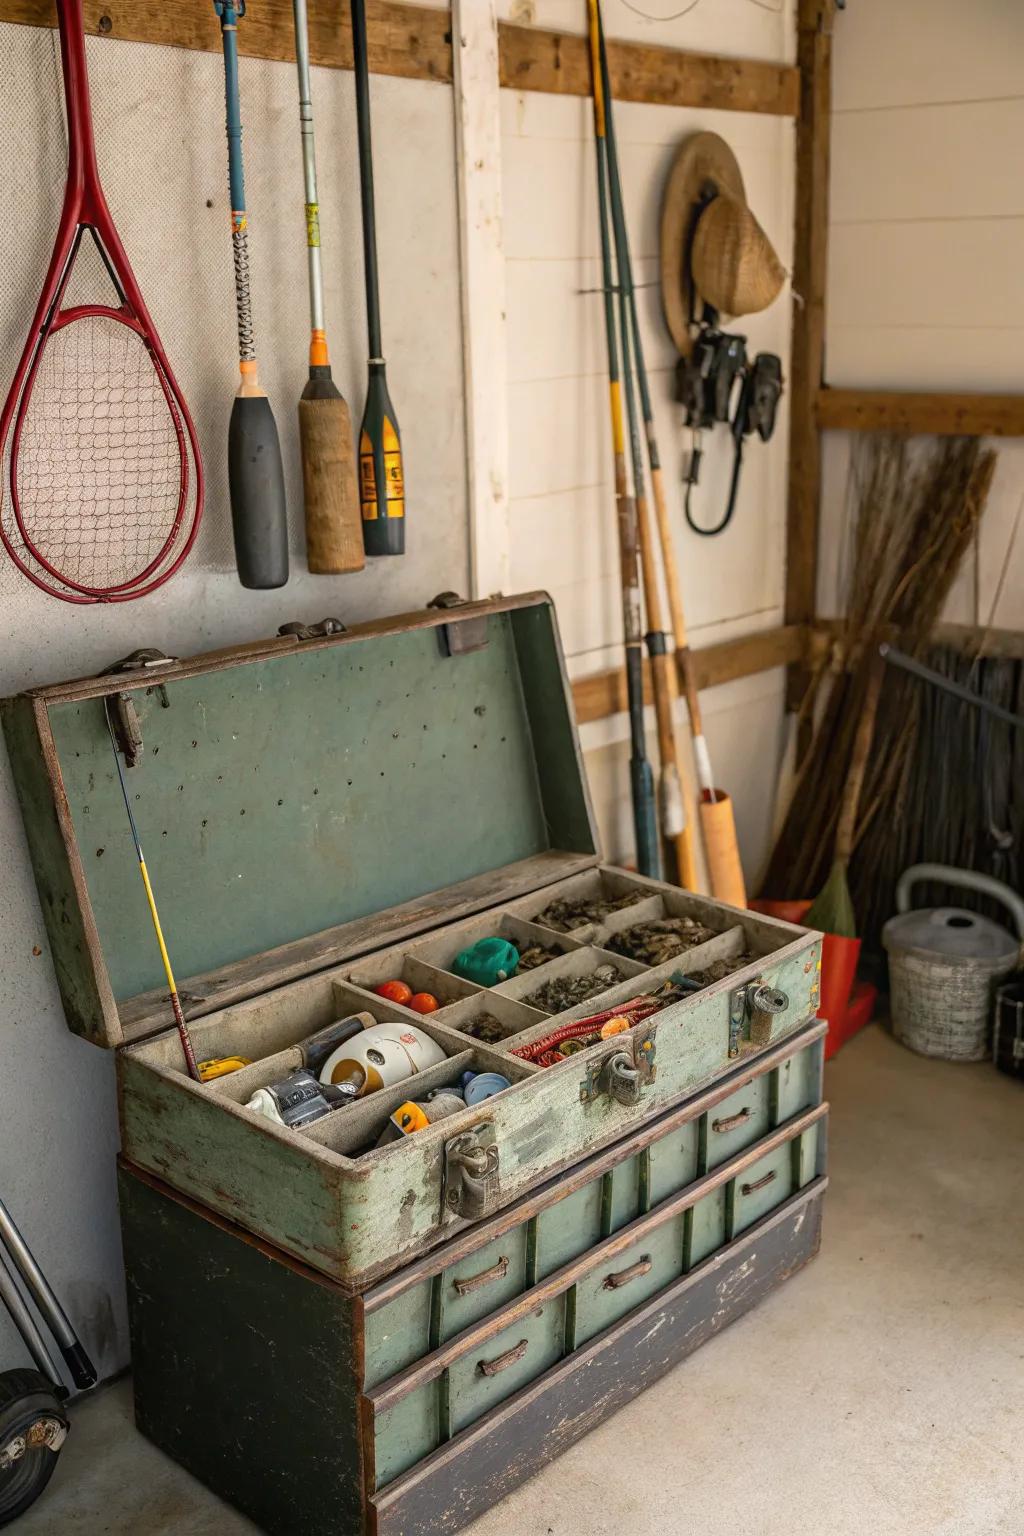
(121,711)
(622,1075)
(471,1164)
(313,631)
(457,638)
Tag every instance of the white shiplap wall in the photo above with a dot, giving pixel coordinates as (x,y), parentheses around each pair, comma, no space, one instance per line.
(926,242)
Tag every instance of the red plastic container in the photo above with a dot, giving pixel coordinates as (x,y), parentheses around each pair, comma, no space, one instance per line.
(838,971)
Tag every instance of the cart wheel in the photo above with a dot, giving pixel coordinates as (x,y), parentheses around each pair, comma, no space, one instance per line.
(33,1427)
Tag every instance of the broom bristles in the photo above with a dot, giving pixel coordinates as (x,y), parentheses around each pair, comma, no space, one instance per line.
(831,911)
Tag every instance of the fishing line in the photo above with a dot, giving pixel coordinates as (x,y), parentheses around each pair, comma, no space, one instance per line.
(179,1017)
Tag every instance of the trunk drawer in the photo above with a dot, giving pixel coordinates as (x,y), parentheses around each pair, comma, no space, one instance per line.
(472,1373)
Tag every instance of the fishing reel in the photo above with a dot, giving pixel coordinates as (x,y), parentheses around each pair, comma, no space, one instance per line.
(762,391)
(706,387)
(706,380)
(299,1099)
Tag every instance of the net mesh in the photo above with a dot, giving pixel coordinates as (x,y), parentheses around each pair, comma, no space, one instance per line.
(98,467)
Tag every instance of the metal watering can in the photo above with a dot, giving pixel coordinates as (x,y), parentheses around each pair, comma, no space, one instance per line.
(944,963)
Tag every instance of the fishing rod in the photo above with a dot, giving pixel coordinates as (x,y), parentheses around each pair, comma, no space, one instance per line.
(334,535)
(716,813)
(676,823)
(381,471)
(255,471)
(645,819)
(179,1017)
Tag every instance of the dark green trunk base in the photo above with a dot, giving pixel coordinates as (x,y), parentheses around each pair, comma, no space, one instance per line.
(247,1370)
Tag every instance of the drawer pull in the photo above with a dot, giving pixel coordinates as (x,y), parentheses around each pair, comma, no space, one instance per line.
(615,1282)
(732,1121)
(748,1189)
(477,1282)
(502,1362)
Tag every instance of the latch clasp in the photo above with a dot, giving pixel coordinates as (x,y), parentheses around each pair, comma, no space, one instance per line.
(120,707)
(463,635)
(623,1075)
(471,1164)
(758,1002)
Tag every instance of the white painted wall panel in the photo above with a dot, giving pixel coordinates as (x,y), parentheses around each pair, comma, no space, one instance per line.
(927,273)
(911,162)
(742,28)
(559,437)
(903,52)
(925,357)
(926,246)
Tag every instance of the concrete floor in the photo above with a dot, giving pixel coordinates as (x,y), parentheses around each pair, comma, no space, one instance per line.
(880,1391)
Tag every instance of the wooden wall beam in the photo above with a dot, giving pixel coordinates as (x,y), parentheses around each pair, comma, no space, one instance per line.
(411,41)
(559,62)
(415,42)
(810,258)
(874,410)
(604,693)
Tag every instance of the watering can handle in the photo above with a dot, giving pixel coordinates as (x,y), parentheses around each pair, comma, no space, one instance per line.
(968,880)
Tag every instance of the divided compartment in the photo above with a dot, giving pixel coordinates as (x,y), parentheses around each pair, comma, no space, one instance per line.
(724,946)
(672,902)
(353,1131)
(439,951)
(259,1028)
(396,965)
(592,884)
(505,1013)
(646,910)
(583,961)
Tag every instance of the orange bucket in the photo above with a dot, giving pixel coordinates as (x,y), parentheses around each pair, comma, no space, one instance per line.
(838,968)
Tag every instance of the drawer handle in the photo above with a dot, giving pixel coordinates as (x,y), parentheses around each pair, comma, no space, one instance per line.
(732,1121)
(477,1282)
(615,1282)
(748,1189)
(502,1362)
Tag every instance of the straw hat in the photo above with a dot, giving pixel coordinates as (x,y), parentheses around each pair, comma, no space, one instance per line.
(710,240)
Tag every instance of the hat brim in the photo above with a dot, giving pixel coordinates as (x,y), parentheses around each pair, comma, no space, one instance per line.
(703,164)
